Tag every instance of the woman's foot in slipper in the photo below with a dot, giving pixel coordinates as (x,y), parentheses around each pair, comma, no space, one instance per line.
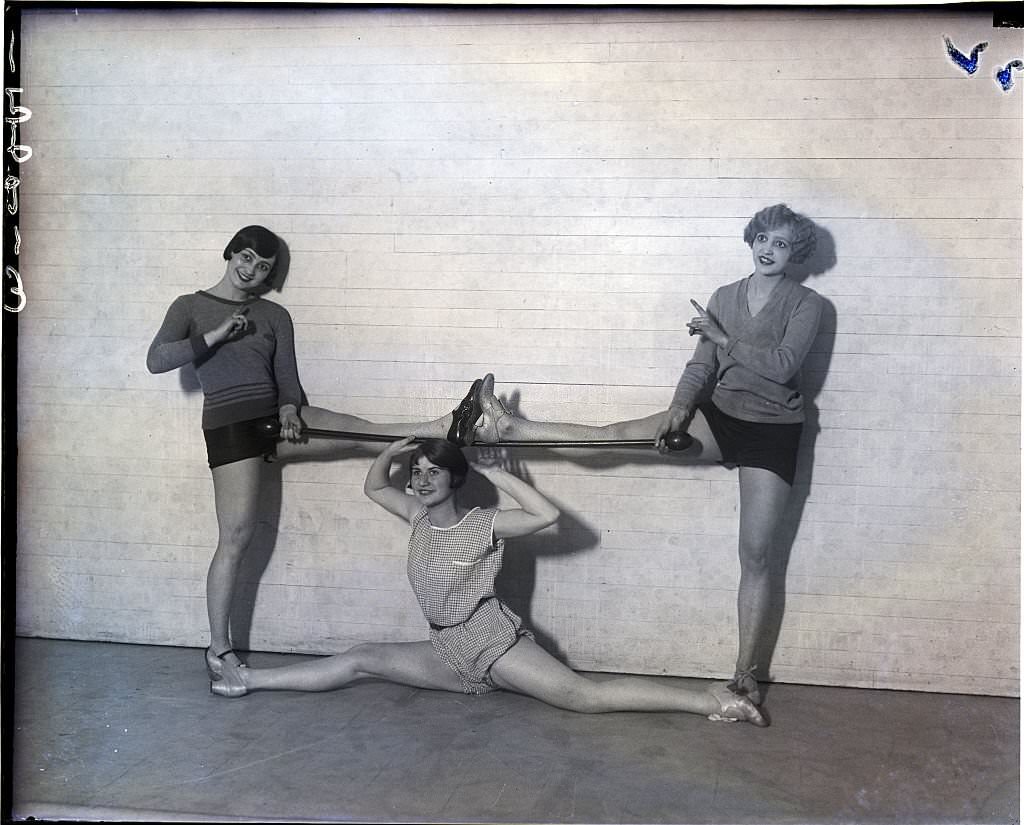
(465,417)
(496,422)
(232,683)
(215,662)
(733,708)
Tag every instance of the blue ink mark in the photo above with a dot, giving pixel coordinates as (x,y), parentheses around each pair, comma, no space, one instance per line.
(1005,75)
(968,64)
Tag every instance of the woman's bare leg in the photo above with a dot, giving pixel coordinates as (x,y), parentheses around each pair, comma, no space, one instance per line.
(321,418)
(324,449)
(318,418)
(408,663)
(513,428)
(529,669)
(236,488)
(498,425)
(763,497)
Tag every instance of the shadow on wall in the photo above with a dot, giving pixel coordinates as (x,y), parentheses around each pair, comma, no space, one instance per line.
(517,581)
(812,380)
(257,555)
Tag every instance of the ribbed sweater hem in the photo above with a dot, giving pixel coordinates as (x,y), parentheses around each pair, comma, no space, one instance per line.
(244,409)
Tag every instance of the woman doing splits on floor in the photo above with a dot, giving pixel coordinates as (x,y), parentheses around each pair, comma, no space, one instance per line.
(477,644)
(243,350)
(754,337)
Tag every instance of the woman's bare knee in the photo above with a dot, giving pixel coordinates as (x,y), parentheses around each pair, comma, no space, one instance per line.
(234,538)
(380,660)
(755,556)
(366,658)
(584,697)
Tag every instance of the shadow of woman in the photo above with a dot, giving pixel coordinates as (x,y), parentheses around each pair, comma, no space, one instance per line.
(264,542)
(517,582)
(813,374)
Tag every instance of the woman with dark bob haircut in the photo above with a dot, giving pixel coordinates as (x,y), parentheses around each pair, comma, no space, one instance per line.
(243,350)
(738,399)
(477,643)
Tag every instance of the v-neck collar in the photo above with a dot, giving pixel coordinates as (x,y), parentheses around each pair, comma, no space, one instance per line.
(745,297)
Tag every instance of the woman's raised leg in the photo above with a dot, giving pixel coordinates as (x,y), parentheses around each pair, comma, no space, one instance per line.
(497,425)
(458,424)
(407,663)
(529,669)
(236,488)
(325,449)
(321,418)
(763,497)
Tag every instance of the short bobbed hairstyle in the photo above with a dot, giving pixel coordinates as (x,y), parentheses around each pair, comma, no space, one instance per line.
(775,217)
(260,240)
(442,453)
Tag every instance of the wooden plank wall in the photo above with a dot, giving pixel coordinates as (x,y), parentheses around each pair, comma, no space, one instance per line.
(538,193)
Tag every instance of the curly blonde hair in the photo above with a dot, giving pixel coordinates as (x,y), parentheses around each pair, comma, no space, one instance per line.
(773,217)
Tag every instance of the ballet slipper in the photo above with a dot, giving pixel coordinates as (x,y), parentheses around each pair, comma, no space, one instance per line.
(232,682)
(744,684)
(215,662)
(734,708)
(465,416)
(489,430)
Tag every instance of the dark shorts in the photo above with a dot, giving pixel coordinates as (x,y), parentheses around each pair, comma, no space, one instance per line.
(752,444)
(235,442)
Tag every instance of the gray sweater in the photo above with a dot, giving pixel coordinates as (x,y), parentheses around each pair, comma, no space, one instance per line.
(757,373)
(249,377)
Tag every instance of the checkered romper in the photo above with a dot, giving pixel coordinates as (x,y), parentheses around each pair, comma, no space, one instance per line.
(452,572)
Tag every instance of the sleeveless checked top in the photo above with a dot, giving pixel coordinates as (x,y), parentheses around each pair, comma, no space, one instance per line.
(452,569)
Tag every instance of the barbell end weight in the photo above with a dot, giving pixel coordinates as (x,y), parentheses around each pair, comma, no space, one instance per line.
(678,440)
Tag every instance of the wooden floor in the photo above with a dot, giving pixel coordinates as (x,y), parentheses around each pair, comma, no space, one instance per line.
(110,731)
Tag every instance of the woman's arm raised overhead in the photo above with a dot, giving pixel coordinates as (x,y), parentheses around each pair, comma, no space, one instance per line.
(378,485)
(535,511)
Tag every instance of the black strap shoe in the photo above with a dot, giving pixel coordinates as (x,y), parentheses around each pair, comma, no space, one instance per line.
(465,416)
